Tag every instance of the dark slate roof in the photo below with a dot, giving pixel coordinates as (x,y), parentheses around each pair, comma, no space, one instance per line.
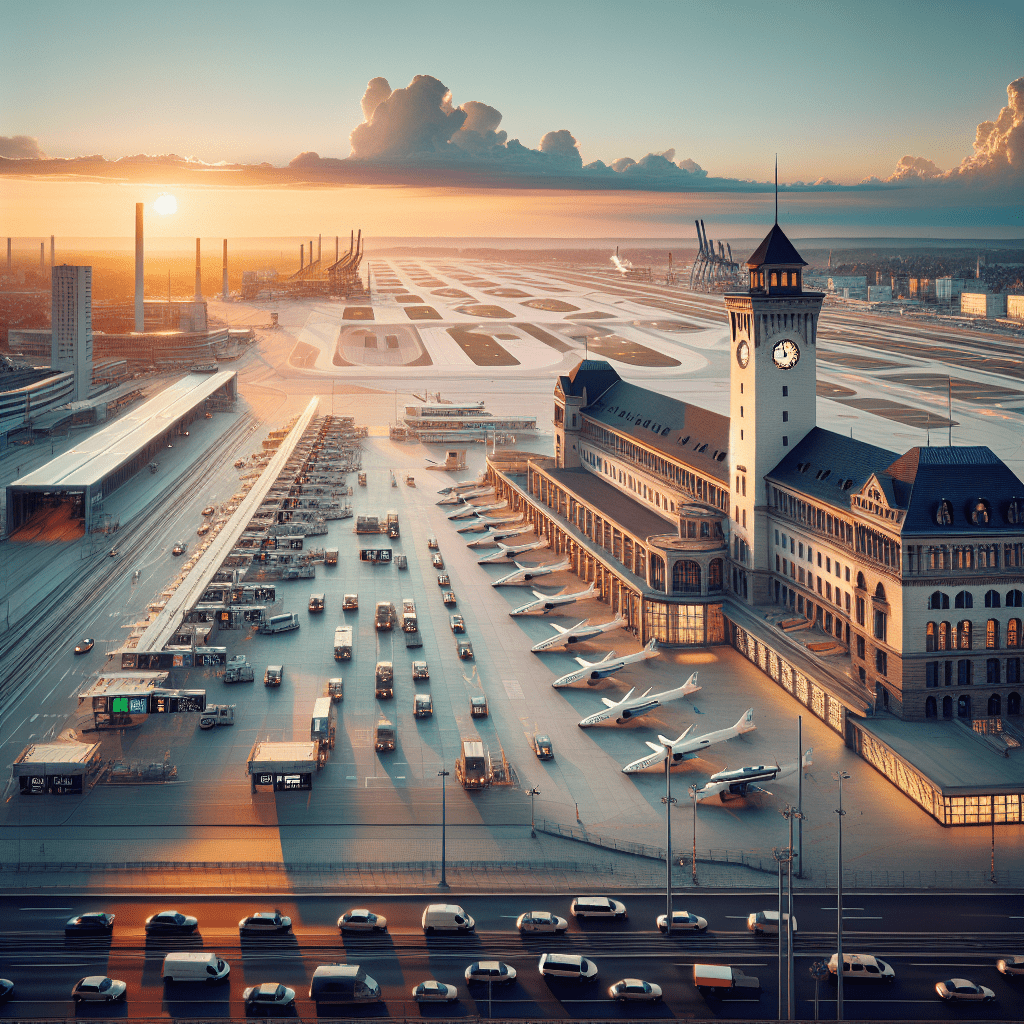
(684,432)
(961,476)
(831,460)
(776,250)
(594,375)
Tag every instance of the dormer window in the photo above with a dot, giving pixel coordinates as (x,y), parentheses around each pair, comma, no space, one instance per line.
(785,279)
(944,513)
(980,513)
(775,279)
(1014,511)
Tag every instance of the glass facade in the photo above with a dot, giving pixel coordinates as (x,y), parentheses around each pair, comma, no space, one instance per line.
(689,625)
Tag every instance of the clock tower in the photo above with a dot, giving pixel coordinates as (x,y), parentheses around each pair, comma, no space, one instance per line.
(773,334)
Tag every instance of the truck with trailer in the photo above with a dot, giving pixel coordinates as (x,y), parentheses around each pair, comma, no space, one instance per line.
(218,714)
(714,979)
(323,724)
(342,643)
(473,767)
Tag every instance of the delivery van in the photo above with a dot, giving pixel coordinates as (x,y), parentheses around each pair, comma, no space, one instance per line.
(342,983)
(446,917)
(195,965)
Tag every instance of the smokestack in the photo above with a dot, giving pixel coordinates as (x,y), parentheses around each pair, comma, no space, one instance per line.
(336,249)
(319,247)
(302,256)
(42,256)
(225,272)
(199,278)
(140,316)
(52,251)
(311,252)
(9,265)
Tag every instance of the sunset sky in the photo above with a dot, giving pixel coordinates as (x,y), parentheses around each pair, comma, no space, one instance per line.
(562,119)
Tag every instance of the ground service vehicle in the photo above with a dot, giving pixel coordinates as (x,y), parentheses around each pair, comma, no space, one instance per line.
(317,602)
(437,562)
(714,979)
(323,723)
(330,556)
(195,965)
(343,643)
(597,906)
(409,615)
(273,675)
(350,603)
(93,923)
(384,680)
(265,923)
(98,989)
(336,688)
(431,543)
(362,479)
(422,706)
(239,672)
(446,917)
(280,623)
(384,736)
(473,767)
(342,983)
(542,747)
(443,580)
(478,707)
(463,648)
(457,623)
(448,597)
(392,524)
(368,524)
(217,714)
(401,562)
(384,616)
(413,639)
(420,670)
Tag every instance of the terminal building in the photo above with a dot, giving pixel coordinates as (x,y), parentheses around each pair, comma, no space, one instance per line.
(864,581)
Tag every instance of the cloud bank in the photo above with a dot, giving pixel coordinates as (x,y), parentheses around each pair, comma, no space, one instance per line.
(20,147)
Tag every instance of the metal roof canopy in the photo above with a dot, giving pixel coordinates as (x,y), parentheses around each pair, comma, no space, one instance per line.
(64,757)
(190,593)
(94,458)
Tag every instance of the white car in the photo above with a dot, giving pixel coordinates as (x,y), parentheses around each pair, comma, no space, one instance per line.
(268,922)
(567,965)
(956,989)
(633,988)
(1010,965)
(597,906)
(862,967)
(493,971)
(683,921)
(541,921)
(435,992)
(269,996)
(362,920)
(98,989)
(766,922)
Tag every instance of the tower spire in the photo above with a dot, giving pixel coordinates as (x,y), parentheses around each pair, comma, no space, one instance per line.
(776,188)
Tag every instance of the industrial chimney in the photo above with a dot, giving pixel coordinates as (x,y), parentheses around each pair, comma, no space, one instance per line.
(140,315)
(224,275)
(319,247)
(199,279)
(302,256)
(52,251)
(42,257)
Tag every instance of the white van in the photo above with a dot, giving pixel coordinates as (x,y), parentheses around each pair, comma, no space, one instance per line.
(195,966)
(766,922)
(446,917)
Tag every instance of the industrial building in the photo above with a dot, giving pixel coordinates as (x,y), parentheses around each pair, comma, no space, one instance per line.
(29,393)
(986,304)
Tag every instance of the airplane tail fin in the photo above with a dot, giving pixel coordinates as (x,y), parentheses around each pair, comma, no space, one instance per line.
(807,757)
(746,723)
(591,664)
(652,645)
(672,743)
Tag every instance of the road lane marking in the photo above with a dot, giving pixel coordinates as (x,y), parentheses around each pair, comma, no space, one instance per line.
(34,717)
(868,918)
(47,908)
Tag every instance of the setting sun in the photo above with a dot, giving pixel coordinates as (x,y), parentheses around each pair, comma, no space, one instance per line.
(165,204)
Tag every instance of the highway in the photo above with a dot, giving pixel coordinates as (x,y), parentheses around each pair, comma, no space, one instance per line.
(952,935)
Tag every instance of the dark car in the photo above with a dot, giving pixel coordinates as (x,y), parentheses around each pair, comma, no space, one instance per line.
(170,922)
(85,646)
(464,648)
(6,989)
(270,997)
(478,707)
(268,922)
(458,623)
(93,923)
(542,747)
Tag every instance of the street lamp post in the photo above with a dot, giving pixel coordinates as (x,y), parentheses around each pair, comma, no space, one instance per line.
(839,776)
(693,862)
(790,814)
(533,825)
(781,856)
(443,884)
(668,802)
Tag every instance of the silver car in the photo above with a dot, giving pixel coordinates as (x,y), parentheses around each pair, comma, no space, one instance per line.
(957,989)
(683,921)
(268,997)
(435,992)
(490,971)
(362,920)
(541,921)
(265,923)
(98,989)
(630,989)
(597,906)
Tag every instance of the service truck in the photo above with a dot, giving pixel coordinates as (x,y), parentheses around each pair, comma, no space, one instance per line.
(330,556)
(324,723)
(392,524)
(714,979)
(217,714)
(239,671)
(342,643)
(473,767)
(384,680)
(409,623)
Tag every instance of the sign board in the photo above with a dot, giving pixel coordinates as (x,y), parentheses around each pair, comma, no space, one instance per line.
(301,780)
(59,784)
(375,554)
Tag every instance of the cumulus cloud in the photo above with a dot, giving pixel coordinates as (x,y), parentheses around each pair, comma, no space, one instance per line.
(20,147)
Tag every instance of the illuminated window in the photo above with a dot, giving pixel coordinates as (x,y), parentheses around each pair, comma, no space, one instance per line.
(775,279)
(944,636)
(1013,633)
(963,635)
(992,634)
(944,513)
(930,636)
(785,279)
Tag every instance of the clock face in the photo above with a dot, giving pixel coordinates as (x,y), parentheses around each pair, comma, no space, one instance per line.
(743,354)
(786,354)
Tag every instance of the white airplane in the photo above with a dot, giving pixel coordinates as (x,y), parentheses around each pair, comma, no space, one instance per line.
(509,551)
(684,749)
(493,535)
(473,510)
(576,634)
(462,493)
(486,522)
(546,603)
(740,781)
(525,573)
(468,485)
(607,666)
(633,707)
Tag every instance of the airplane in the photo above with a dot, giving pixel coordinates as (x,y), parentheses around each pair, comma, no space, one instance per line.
(607,666)
(740,781)
(473,510)
(546,603)
(509,551)
(468,485)
(492,535)
(525,573)
(456,496)
(684,749)
(576,634)
(486,522)
(633,707)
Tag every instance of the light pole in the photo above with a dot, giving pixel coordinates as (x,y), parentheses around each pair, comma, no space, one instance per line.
(800,796)
(790,814)
(781,856)
(443,884)
(693,862)
(533,827)
(668,802)
(839,776)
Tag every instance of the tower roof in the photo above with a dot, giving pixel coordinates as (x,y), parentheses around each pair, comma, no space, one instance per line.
(776,250)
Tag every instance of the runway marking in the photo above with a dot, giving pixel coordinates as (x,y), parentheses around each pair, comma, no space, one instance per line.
(47,908)
(34,717)
(834,909)
(868,918)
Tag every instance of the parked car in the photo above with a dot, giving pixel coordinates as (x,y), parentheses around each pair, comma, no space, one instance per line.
(490,971)
(435,992)
(93,923)
(542,747)
(962,990)
(362,921)
(209,510)
(270,997)
(464,648)
(350,603)
(597,906)
(448,597)
(203,530)
(567,965)
(273,675)
(420,670)
(443,580)
(85,646)
(862,967)
(432,543)
(630,989)
(98,989)
(683,921)
(170,922)
(541,921)
(265,922)
(180,548)
(457,622)
(1010,965)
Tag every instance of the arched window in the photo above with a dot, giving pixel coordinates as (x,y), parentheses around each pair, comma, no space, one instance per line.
(1015,511)
(944,513)
(992,673)
(992,635)
(980,512)
(929,640)
(715,575)
(657,573)
(992,599)
(1014,599)
(947,707)
(963,635)
(930,708)
(938,600)
(686,577)
(880,592)
(1013,633)
(963,600)
(963,706)
(1013,703)
(944,636)
(861,585)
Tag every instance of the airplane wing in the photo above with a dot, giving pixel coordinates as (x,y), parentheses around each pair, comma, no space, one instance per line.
(609,703)
(592,664)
